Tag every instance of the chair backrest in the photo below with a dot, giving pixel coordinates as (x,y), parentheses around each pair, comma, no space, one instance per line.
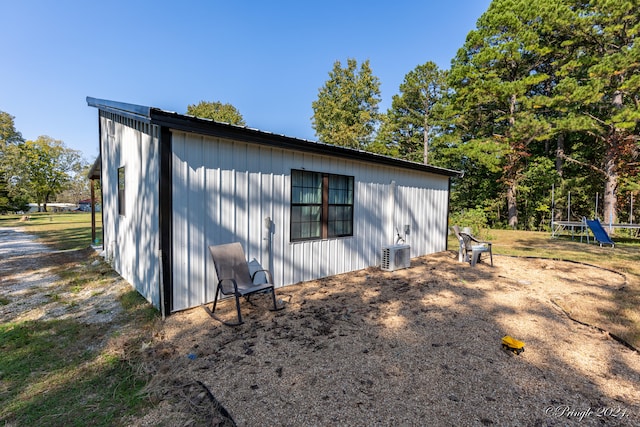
(231,263)
(462,237)
(466,241)
(599,232)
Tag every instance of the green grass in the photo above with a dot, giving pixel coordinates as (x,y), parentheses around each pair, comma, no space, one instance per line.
(51,376)
(625,257)
(61,231)
(65,372)
(624,320)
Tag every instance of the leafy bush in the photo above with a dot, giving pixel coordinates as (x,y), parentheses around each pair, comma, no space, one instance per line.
(475,219)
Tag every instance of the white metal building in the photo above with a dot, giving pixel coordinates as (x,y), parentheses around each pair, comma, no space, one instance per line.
(173,184)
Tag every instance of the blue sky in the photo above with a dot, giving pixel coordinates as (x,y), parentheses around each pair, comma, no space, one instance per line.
(267,58)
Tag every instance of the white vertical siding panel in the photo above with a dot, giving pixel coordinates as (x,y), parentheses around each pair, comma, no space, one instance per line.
(196,223)
(277,236)
(419,229)
(191,186)
(253,206)
(364,214)
(421,225)
(211,214)
(218,235)
(320,253)
(370,218)
(265,187)
(306,260)
(241,197)
(234,186)
(227,197)
(254,212)
(109,184)
(433,215)
(147,214)
(131,240)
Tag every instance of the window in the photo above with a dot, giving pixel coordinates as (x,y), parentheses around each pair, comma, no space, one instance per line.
(121,190)
(321,205)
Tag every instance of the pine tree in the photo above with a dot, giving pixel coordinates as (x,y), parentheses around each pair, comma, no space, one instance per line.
(409,124)
(346,111)
(496,76)
(598,91)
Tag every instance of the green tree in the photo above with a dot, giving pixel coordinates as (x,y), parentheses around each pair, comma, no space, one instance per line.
(42,168)
(78,186)
(598,92)
(497,76)
(409,123)
(545,83)
(9,137)
(346,111)
(217,111)
(8,133)
(384,143)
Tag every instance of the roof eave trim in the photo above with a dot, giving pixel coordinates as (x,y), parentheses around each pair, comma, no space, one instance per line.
(224,130)
(95,169)
(134,111)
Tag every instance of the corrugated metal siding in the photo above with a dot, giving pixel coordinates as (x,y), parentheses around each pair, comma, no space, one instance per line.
(131,241)
(223,190)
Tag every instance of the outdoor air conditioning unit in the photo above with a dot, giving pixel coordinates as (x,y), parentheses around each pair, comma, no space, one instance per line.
(395,257)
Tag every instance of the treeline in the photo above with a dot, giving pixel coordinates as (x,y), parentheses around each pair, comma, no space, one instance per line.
(40,171)
(544,93)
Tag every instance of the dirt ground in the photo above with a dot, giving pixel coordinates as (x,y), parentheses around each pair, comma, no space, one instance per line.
(420,346)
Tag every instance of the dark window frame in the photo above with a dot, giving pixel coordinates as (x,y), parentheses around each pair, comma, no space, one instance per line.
(121,191)
(329,217)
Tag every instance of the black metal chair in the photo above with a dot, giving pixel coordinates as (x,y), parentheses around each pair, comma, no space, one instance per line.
(234,278)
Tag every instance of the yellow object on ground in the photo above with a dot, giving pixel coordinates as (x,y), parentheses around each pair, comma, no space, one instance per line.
(512,344)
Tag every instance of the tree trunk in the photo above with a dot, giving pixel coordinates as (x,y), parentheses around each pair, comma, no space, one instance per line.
(610,187)
(425,156)
(614,142)
(425,134)
(512,206)
(512,185)
(560,154)
(44,203)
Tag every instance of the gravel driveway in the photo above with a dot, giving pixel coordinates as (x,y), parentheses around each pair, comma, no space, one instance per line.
(30,289)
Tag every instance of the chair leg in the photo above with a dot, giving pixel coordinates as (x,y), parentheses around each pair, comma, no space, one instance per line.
(475,257)
(238,309)
(215,300)
(275,305)
(491,256)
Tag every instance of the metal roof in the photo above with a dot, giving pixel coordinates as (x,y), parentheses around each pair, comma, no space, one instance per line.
(209,127)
